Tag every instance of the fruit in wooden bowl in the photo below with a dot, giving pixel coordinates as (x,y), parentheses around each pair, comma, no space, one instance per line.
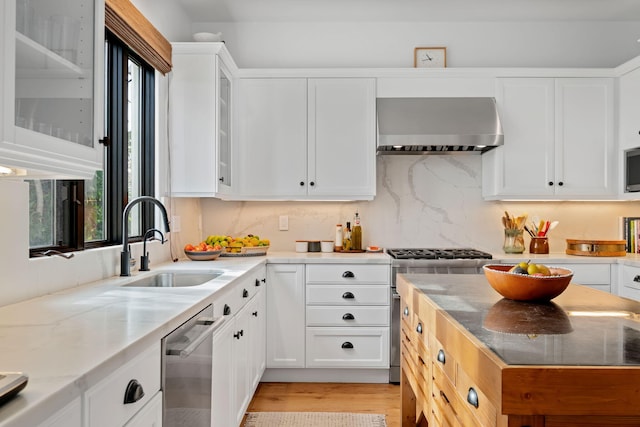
(202,251)
(517,285)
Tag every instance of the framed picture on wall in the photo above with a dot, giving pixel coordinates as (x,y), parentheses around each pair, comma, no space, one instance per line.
(430,57)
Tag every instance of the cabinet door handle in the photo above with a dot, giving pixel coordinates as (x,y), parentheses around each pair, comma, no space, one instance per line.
(257,282)
(406,311)
(348,274)
(348,316)
(254,314)
(134,392)
(312,183)
(245,293)
(444,396)
(348,295)
(226,310)
(419,328)
(263,280)
(237,335)
(347,344)
(221,179)
(637,278)
(301,183)
(472,397)
(550,183)
(441,357)
(560,183)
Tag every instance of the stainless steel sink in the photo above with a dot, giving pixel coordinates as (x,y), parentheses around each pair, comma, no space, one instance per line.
(175,279)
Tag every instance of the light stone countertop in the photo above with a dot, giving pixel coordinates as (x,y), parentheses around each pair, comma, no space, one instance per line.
(69,340)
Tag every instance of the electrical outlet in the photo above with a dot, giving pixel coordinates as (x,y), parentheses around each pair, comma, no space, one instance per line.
(175,224)
(283,222)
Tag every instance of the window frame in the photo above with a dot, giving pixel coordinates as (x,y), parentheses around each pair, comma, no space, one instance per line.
(117,55)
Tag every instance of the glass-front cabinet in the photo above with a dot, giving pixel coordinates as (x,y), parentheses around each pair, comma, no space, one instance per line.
(201,112)
(52,72)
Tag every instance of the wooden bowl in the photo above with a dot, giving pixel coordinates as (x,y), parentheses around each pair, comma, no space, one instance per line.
(522,287)
(202,255)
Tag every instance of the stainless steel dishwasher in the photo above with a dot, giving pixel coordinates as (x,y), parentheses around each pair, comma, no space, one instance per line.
(186,371)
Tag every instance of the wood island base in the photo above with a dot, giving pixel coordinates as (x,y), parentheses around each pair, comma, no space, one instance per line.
(451,378)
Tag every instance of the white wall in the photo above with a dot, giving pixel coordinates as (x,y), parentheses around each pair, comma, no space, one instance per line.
(422,201)
(469,44)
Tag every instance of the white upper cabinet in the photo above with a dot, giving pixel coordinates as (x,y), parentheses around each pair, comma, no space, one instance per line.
(200,105)
(307,138)
(558,140)
(52,76)
(342,138)
(630,110)
(272,137)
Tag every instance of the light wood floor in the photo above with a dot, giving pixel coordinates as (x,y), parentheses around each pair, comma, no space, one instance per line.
(329,397)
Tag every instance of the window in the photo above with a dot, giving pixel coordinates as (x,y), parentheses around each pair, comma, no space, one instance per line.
(72,214)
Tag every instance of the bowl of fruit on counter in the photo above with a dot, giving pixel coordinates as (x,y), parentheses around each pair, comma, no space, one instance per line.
(527,281)
(202,251)
(249,245)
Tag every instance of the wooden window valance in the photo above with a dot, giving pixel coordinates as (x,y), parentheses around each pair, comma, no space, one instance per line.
(131,26)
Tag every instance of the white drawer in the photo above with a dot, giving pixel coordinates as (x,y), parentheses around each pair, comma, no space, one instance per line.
(348,347)
(630,277)
(347,316)
(349,273)
(235,297)
(589,274)
(348,295)
(104,401)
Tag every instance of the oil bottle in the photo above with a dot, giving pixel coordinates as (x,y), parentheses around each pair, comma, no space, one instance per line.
(346,238)
(356,234)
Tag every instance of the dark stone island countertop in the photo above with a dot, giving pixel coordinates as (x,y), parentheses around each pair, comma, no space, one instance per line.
(582,326)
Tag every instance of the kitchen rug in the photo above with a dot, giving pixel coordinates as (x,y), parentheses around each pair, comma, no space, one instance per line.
(313,419)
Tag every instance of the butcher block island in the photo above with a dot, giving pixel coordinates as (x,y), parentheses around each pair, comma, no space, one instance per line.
(472,358)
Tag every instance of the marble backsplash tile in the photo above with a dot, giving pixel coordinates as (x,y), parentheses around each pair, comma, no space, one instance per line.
(422,201)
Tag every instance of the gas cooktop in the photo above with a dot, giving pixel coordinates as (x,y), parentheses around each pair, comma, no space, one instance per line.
(437,253)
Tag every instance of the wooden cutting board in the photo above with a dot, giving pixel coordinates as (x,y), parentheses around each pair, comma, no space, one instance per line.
(602,248)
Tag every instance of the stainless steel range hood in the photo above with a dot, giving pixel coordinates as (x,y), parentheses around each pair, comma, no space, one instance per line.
(438,125)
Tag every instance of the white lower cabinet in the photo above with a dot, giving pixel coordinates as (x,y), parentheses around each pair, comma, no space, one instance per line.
(150,415)
(597,276)
(69,416)
(629,285)
(353,347)
(347,320)
(104,402)
(285,316)
(238,349)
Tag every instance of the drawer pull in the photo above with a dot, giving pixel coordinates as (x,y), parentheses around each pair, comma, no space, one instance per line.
(257,282)
(134,392)
(348,295)
(421,360)
(472,397)
(347,344)
(226,310)
(637,278)
(238,334)
(348,316)
(419,328)
(245,293)
(254,314)
(444,396)
(441,357)
(348,274)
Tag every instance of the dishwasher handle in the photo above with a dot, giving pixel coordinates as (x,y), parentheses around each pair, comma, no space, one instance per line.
(186,352)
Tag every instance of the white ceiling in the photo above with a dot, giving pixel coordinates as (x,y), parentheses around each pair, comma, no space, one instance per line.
(410,10)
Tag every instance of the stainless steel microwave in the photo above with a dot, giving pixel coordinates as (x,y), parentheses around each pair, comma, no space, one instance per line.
(632,170)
